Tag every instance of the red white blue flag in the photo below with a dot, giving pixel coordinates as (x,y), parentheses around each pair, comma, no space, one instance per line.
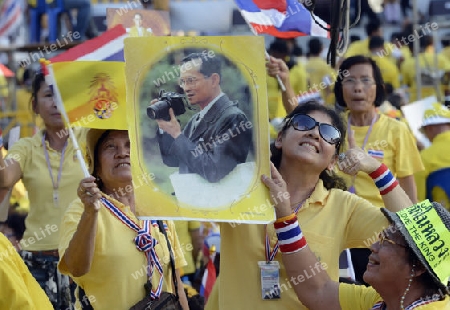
(106,47)
(209,278)
(11,17)
(281,18)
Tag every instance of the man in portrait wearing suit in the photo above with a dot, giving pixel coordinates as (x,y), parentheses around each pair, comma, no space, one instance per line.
(216,139)
(137,30)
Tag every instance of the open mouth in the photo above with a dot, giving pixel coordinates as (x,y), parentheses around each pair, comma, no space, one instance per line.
(310,146)
(123,165)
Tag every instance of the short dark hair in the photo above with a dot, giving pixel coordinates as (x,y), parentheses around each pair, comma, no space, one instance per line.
(38,79)
(345,67)
(329,180)
(209,65)
(279,46)
(376,42)
(372,26)
(315,46)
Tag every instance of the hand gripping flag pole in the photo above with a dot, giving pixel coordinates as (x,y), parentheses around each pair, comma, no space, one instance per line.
(280,82)
(47,70)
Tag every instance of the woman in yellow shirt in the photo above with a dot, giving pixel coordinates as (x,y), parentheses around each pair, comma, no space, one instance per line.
(389,141)
(305,152)
(47,165)
(115,258)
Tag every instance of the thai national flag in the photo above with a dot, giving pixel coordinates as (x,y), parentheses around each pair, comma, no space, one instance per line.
(106,47)
(11,16)
(281,18)
(209,278)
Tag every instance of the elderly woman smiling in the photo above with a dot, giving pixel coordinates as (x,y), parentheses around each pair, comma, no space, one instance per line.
(100,247)
(409,266)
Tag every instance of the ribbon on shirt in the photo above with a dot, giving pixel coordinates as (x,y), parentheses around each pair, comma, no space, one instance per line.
(144,242)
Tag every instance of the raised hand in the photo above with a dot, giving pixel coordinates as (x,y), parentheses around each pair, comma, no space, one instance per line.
(278,192)
(356,159)
(89,194)
(172,127)
(278,67)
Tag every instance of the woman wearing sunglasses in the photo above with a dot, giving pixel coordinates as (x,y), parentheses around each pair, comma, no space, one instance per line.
(360,89)
(332,219)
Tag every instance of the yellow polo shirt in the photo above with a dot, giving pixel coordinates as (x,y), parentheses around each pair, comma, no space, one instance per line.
(389,71)
(434,158)
(20,289)
(408,72)
(299,82)
(118,272)
(299,78)
(331,222)
(359,297)
(4,90)
(392,143)
(318,70)
(184,229)
(446,52)
(43,220)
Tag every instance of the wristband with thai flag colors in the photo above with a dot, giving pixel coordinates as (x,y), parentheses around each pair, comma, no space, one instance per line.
(290,236)
(384,179)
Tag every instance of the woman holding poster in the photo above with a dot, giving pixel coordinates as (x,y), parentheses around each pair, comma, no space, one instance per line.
(332,219)
(110,254)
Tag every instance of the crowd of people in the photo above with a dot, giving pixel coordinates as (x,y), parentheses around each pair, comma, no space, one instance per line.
(356,178)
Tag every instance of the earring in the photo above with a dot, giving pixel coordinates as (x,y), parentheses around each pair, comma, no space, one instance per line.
(402,300)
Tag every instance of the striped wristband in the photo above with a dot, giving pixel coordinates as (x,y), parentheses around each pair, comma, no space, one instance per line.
(290,236)
(384,179)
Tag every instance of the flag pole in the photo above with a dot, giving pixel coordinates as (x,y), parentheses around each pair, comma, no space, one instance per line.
(47,69)
(280,82)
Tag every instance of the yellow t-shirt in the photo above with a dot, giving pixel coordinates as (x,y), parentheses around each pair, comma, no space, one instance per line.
(299,82)
(299,78)
(434,158)
(43,220)
(4,90)
(321,75)
(360,47)
(119,271)
(331,222)
(19,194)
(389,71)
(273,96)
(426,60)
(20,289)
(392,143)
(359,297)
(446,52)
(184,229)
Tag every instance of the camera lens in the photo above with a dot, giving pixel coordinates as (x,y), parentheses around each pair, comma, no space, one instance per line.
(159,110)
(151,113)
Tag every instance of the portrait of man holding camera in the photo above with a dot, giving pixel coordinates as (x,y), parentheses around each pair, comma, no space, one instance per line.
(217,138)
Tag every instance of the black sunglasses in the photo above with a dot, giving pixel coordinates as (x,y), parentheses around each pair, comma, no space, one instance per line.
(302,122)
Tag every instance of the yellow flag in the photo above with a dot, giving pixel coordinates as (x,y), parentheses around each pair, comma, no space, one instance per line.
(93,93)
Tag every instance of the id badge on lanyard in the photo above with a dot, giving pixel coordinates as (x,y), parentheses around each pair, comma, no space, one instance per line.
(270,280)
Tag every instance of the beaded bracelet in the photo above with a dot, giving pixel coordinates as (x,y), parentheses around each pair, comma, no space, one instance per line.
(384,179)
(290,236)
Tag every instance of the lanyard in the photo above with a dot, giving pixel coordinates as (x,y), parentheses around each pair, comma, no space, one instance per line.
(47,158)
(144,242)
(270,254)
(366,138)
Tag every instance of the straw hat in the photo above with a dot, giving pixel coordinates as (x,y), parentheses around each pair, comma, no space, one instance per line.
(438,114)
(92,138)
(426,229)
